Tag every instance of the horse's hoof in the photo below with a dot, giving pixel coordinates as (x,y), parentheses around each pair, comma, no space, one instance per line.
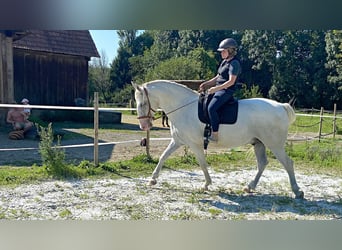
(204,189)
(247,190)
(300,195)
(153,182)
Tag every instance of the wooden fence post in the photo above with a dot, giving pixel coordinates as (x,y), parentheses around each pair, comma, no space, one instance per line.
(96,128)
(320,125)
(334,121)
(148,143)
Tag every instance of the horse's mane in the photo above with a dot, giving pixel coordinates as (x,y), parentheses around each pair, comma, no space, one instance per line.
(167,82)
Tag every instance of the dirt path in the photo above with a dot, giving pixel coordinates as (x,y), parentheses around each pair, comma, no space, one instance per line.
(124,145)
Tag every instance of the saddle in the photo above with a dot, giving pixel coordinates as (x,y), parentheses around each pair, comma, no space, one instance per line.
(228,114)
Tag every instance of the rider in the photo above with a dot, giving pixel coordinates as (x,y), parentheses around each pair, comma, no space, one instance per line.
(223,84)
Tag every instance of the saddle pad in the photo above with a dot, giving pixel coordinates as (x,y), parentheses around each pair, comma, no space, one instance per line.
(228,113)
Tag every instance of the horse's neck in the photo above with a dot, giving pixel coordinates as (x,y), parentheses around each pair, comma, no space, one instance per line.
(171,97)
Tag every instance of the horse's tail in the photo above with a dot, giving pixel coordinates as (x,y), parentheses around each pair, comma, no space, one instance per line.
(290,112)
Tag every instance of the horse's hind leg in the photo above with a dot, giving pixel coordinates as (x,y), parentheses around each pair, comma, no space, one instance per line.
(288,165)
(167,152)
(260,153)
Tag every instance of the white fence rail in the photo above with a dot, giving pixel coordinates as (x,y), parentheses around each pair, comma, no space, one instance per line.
(96,109)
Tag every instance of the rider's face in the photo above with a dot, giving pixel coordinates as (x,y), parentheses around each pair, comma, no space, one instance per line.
(224,54)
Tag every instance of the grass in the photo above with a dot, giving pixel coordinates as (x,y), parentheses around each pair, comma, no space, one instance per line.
(308,124)
(323,157)
(22,175)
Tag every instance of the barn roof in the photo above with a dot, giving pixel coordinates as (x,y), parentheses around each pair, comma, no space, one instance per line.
(69,42)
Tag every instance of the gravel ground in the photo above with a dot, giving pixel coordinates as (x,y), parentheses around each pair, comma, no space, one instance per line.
(177,195)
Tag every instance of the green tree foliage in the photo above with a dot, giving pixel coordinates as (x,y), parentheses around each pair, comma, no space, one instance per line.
(333,64)
(120,72)
(300,72)
(175,68)
(196,66)
(258,55)
(98,79)
(172,48)
(125,66)
(279,64)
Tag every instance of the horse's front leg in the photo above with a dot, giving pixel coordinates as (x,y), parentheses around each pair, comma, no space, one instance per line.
(199,153)
(167,152)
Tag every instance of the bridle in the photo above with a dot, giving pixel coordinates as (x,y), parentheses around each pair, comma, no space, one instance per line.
(149,114)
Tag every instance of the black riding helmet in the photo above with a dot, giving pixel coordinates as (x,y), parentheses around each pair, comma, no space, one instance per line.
(227,43)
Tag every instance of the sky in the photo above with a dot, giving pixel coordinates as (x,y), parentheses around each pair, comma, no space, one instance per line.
(106,41)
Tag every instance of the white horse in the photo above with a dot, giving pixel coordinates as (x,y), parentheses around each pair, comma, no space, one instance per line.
(261,122)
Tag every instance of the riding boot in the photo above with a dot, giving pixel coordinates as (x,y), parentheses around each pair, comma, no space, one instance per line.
(214,137)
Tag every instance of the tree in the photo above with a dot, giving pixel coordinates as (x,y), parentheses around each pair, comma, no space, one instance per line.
(120,73)
(258,56)
(127,64)
(333,48)
(300,72)
(195,45)
(99,78)
(205,62)
(176,68)
(282,63)
(127,38)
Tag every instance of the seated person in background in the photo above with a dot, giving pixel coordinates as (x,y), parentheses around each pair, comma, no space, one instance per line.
(18,119)
(27,111)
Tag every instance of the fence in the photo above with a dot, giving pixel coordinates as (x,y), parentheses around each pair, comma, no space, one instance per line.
(96,110)
(322,117)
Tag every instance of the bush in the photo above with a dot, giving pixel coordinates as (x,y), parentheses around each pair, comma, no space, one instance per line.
(53,157)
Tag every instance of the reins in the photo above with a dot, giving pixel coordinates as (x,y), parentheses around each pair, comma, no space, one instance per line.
(181,107)
(167,113)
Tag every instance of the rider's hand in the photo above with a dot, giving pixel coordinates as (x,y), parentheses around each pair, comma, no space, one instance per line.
(201,87)
(212,90)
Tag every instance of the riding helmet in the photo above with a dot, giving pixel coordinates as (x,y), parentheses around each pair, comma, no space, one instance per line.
(227,43)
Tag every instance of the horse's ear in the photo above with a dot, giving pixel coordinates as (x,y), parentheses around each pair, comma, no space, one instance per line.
(136,86)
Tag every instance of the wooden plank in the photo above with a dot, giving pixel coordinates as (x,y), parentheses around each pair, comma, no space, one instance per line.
(9,64)
(2,92)
(96,128)
(6,69)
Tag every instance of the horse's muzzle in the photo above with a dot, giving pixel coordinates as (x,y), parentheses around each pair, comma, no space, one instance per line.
(145,123)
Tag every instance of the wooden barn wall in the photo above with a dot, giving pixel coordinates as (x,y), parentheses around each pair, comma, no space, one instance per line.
(49,79)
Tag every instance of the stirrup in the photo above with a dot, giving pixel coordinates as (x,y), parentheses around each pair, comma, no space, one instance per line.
(206,135)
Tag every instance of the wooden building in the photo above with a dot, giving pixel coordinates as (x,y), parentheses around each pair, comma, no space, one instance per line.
(6,63)
(51,67)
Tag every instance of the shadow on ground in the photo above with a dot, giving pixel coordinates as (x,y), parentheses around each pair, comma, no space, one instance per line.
(271,203)
(26,152)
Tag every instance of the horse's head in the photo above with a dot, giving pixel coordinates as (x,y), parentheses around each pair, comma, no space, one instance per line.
(144,109)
